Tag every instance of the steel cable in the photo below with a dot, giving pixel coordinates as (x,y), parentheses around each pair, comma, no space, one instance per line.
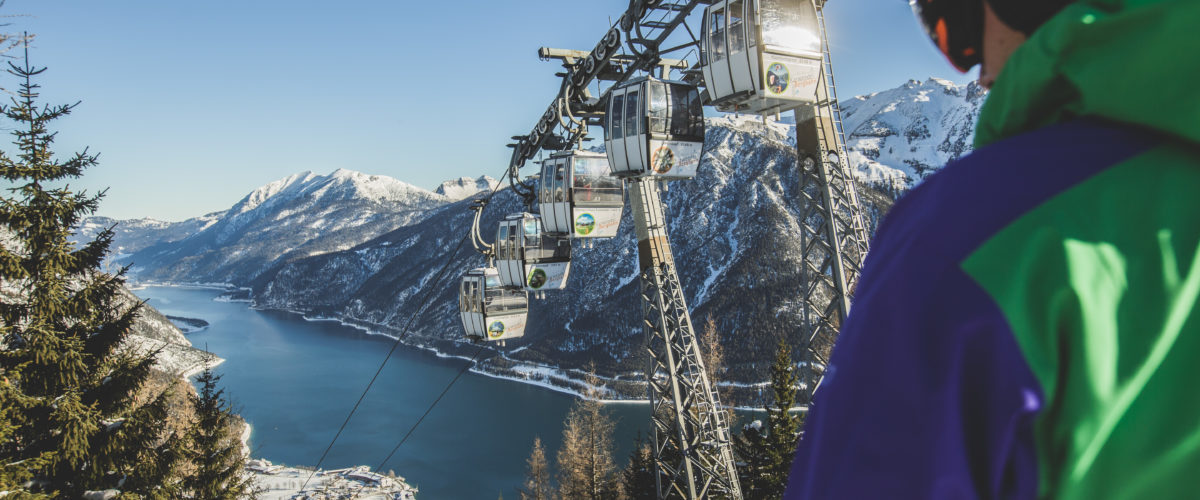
(404,333)
(430,409)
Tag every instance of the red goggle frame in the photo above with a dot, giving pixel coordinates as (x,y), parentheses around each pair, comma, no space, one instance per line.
(955,27)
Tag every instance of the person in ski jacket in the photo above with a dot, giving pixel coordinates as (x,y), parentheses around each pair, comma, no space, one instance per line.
(1026,324)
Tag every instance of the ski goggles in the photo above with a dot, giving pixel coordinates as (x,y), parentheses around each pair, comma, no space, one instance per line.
(956,28)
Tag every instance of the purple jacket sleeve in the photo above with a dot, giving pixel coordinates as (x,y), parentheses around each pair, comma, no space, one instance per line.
(927,394)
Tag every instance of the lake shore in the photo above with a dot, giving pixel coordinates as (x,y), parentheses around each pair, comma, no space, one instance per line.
(571,382)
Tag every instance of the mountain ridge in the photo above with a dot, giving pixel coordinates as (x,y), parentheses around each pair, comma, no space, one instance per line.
(463,187)
(300,215)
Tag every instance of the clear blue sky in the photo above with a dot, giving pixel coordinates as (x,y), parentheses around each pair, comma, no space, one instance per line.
(193,104)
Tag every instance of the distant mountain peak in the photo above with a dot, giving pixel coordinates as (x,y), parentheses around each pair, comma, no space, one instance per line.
(341,184)
(345,183)
(298,215)
(269,190)
(897,137)
(464,187)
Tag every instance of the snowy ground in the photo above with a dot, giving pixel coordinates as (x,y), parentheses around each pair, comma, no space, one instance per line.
(283,483)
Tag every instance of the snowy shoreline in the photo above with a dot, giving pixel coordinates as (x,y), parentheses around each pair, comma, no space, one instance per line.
(188,325)
(196,370)
(524,367)
(545,373)
(543,383)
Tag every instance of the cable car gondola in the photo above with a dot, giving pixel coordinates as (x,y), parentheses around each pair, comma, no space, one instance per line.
(489,310)
(761,56)
(528,257)
(654,128)
(579,195)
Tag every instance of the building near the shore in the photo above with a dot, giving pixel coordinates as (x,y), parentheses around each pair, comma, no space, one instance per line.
(285,483)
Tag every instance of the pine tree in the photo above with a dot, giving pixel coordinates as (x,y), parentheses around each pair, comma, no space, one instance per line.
(217,454)
(638,476)
(537,475)
(783,426)
(70,421)
(12,404)
(585,463)
(766,454)
(158,470)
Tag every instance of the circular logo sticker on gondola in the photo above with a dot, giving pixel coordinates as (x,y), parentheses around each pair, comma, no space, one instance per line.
(777,78)
(496,330)
(663,160)
(537,278)
(585,224)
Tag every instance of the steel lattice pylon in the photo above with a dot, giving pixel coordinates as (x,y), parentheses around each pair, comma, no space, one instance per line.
(692,447)
(833,236)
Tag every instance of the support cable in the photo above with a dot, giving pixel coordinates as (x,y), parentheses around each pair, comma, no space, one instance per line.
(430,409)
(404,331)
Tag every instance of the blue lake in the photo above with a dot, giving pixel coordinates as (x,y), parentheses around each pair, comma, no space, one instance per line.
(295,380)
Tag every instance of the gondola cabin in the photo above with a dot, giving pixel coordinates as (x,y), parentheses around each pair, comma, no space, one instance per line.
(761,56)
(489,310)
(579,195)
(528,257)
(654,128)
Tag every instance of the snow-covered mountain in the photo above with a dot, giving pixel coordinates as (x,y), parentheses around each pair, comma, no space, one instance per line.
(132,235)
(898,137)
(463,187)
(297,216)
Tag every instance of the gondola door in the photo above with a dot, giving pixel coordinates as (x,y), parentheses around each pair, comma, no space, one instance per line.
(717,74)
(555,195)
(562,197)
(614,132)
(741,58)
(636,140)
(510,253)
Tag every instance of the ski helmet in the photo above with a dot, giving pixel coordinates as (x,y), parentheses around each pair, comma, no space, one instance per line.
(956,26)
